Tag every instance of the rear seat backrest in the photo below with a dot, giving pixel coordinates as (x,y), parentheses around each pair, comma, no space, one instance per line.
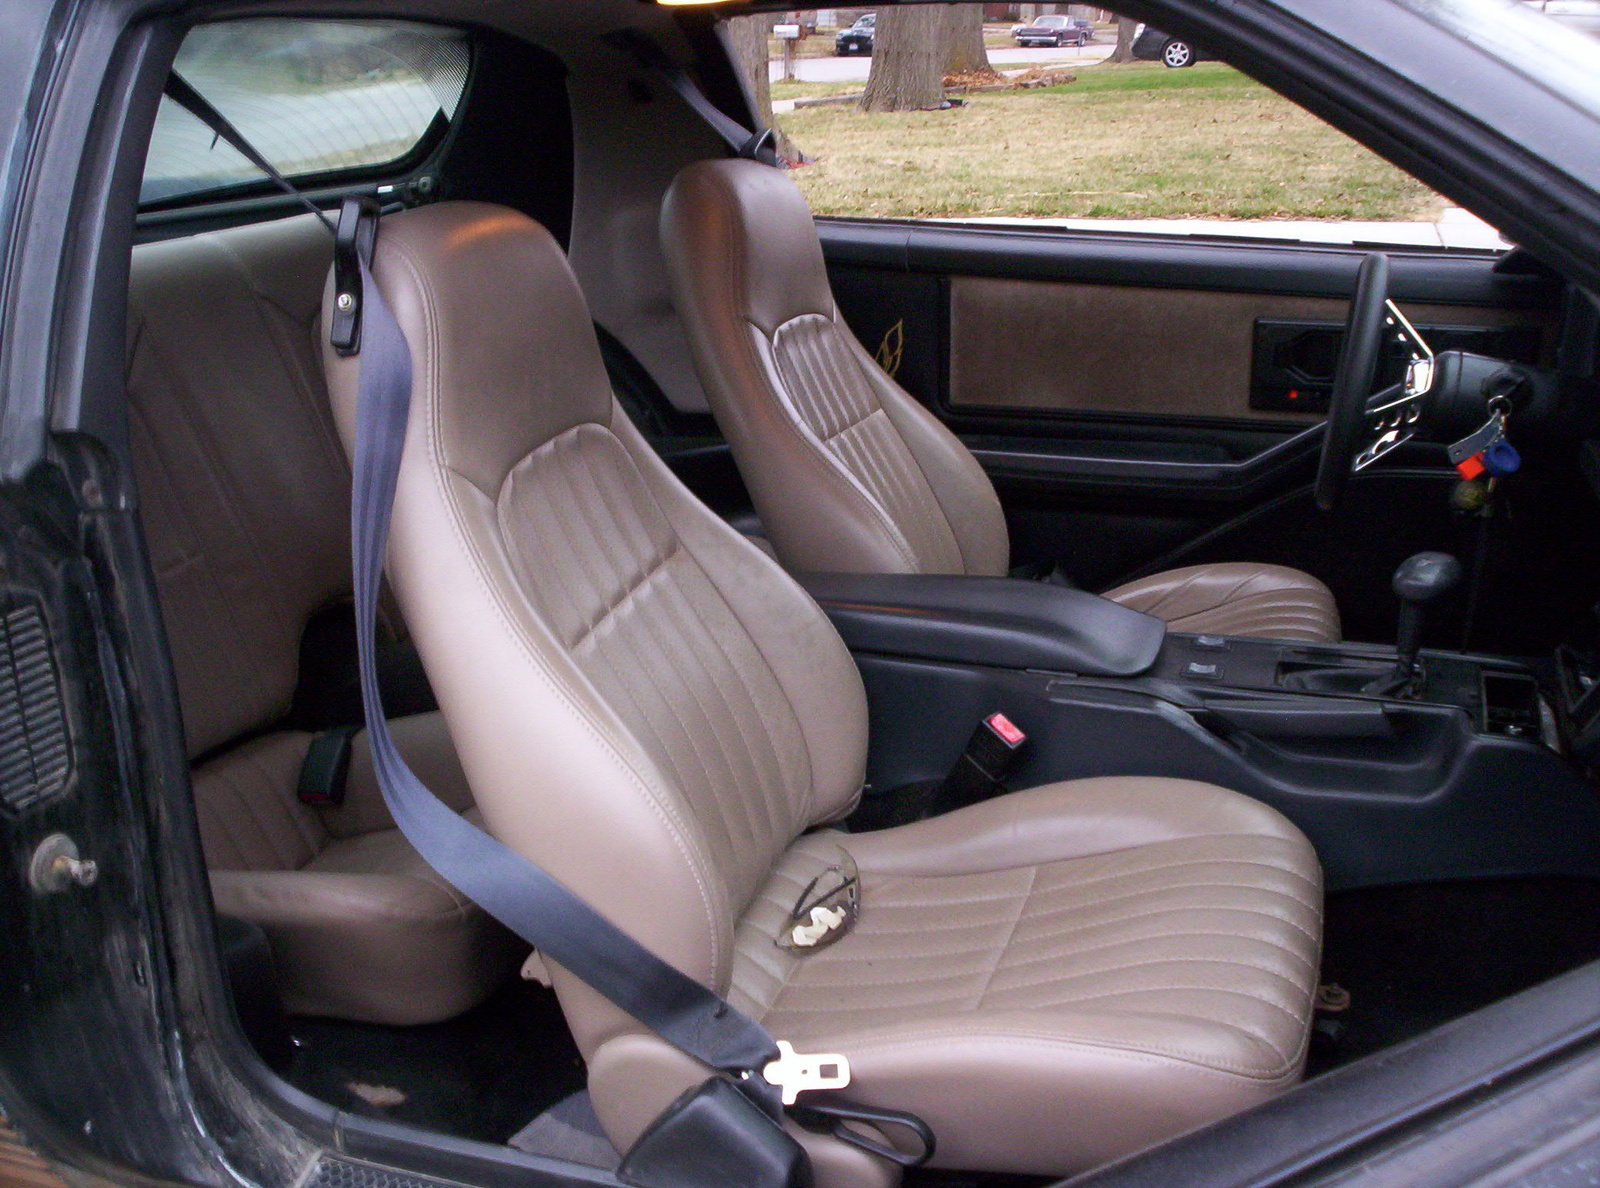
(244,486)
(245,497)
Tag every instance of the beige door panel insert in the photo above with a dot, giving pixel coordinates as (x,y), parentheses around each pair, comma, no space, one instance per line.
(1066,347)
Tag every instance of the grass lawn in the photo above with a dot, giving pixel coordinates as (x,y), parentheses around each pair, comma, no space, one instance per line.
(1130,141)
(814,90)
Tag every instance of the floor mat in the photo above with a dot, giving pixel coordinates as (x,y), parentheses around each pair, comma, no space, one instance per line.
(568,1130)
(1414,957)
(479,1076)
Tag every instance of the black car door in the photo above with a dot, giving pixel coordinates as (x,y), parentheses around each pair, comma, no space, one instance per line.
(1145,401)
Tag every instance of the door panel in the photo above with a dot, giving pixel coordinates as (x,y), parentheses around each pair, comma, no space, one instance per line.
(1062,347)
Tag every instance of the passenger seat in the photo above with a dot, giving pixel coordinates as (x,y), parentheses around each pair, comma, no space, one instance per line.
(245,497)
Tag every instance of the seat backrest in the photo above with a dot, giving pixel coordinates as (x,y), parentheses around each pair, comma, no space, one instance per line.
(243,486)
(847,471)
(644,703)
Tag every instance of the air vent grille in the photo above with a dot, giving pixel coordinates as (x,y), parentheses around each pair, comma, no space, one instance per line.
(35,758)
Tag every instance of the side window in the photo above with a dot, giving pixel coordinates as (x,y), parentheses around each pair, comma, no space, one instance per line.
(316,98)
(1063,115)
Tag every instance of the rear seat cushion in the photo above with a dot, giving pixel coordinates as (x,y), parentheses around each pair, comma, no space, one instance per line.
(361,928)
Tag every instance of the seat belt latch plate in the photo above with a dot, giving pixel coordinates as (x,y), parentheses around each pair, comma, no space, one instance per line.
(796,1072)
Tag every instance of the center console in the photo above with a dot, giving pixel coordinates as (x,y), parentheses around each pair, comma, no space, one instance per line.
(1399,764)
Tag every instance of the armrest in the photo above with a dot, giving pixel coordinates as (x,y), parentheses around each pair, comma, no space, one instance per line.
(1002,622)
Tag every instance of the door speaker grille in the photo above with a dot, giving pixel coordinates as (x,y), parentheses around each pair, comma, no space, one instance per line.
(35,757)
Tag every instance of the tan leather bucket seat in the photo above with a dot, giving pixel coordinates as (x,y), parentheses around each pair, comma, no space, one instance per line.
(649,707)
(847,471)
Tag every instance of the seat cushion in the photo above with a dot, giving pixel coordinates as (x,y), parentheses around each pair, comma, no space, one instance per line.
(1056,977)
(361,927)
(368,932)
(1237,598)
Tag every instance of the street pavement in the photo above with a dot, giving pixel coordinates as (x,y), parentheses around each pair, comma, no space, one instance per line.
(854,68)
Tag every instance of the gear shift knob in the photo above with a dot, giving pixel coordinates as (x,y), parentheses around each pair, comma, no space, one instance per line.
(1422,577)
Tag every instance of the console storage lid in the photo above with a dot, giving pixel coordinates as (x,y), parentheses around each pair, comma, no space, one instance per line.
(1003,622)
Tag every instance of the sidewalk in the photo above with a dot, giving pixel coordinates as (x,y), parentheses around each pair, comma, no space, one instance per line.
(1455,228)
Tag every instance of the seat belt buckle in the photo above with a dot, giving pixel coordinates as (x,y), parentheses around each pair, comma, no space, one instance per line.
(990,754)
(798,1072)
(325,767)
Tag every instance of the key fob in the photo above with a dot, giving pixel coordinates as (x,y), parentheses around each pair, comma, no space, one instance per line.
(1501,459)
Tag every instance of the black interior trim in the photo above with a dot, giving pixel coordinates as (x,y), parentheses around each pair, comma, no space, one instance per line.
(1379,1099)
(1446,276)
(1212,481)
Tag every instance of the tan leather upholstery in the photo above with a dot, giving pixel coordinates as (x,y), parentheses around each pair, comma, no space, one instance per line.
(244,494)
(847,471)
(1141,951)
(861,477)
(650,708)
(1234,598)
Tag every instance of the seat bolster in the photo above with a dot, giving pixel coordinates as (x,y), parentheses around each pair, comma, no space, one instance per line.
(958,482)
(1076,819)
(1237,598)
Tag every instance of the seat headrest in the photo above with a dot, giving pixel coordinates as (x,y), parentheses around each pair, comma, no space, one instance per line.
(496,320)
(753,219)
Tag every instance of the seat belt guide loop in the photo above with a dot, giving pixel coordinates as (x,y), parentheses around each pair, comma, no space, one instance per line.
(353,240)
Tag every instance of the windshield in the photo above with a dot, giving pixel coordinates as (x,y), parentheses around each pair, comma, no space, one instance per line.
(1556,42)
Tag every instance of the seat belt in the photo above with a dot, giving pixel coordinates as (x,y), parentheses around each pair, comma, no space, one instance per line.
(753,146)
(202,109)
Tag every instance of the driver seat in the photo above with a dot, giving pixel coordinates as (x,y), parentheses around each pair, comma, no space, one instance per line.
(847,471)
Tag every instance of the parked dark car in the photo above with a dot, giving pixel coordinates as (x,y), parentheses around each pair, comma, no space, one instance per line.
(1054,29)
(857,39)
(1152,45)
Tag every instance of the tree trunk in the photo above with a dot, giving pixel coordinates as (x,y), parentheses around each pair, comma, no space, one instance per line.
(1124,50)
(748,35)
(908,54)
(964,36)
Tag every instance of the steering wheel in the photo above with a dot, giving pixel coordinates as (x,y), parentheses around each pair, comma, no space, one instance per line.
(1353,379)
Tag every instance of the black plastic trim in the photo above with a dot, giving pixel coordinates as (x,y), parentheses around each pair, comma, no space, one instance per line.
(987,620)
(1218,481)
(1374,1101)
(1443,276)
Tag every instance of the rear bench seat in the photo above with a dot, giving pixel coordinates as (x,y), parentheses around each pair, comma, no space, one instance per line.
(245,495)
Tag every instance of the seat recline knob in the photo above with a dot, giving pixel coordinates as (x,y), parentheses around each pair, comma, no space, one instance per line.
(1425,576)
